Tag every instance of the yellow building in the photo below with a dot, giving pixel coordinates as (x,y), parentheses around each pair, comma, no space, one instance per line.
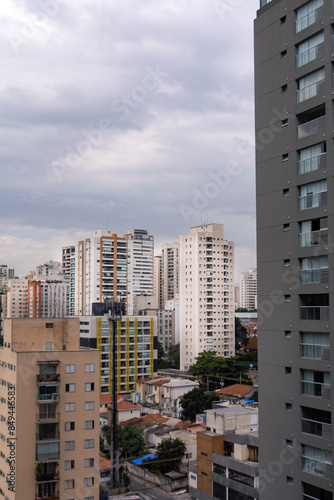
(49,412)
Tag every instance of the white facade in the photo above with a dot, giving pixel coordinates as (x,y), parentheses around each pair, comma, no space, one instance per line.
(48,270)
(248,290)
(16,299)
(140,265)
(173,391)
(206,293)
(169,272)
(49,300)
(100,269)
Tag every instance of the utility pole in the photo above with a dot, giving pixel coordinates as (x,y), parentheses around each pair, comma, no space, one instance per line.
(115,310)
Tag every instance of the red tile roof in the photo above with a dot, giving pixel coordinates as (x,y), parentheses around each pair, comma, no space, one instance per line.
(106,398)
(236,390)
(147,379)
(104,463)
(154,418)
(126,405)
(161,382)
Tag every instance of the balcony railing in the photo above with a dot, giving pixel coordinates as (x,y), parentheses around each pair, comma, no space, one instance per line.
(315,351)
(43,478)
(47,457)
(310,54)
(311,164)
(53,397)
(313,238)
(311,127)
(48,415)
(310,91)
(317,428)
(316,389)
(318,467)
(314,313)
(42,377)
(51,436)
(313,275)
(310,18)
(312,200)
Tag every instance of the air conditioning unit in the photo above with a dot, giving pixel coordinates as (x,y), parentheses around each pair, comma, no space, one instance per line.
(55,397)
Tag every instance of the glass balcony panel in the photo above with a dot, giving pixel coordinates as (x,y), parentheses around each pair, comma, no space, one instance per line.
(311,127)
(314,313)
(311,164)
(309,19)
(313,238)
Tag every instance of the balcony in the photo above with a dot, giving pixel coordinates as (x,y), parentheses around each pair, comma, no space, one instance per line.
(311,127)
(316,428)
(48,416)
(309,19)
(311,238)
(310,55)
(48,491)
(311,164)
(316,389)
(315,351)
(314,313)
(48,377)
(48,397)
(313,276)
(312,200)
(311,91)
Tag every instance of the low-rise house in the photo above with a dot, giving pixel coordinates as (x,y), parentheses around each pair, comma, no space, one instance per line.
(125,411)
(239,391)
(173,392)
(105,400)
(105,474)
(140,386)
(155,391)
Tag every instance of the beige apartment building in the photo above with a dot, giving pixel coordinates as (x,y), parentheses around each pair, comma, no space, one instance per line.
(49,412)
(206,293)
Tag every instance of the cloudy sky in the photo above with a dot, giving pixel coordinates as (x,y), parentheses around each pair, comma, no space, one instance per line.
(125,114)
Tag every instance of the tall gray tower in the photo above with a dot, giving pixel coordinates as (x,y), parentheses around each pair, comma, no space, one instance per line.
(294,56)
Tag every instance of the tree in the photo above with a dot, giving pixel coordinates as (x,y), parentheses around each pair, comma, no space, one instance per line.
(169,453)
(195,402)
(130,440)
(162,362)
(173,356)
(211,370)
(241,334)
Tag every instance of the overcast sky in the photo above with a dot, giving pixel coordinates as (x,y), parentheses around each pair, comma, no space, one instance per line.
(125,114)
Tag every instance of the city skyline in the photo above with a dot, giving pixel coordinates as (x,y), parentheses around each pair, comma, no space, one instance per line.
(181,151)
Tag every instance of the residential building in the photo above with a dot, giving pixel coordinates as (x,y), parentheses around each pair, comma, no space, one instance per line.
(206,293)
(68,271)
(227,455)
(49,411)
(49,299)
(100,269)
(294,131)
(173,392)
(15,301)
(237,295)
(140,251)
(136,349)
(48,270)
(169,272)
(125,411)
(248,290)
(5,274)
(157,280)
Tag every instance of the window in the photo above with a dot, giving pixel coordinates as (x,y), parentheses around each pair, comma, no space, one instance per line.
(89,462)
(312,195)
(285,157)
(313,232)
(311,492)
(287,263)
(287,334)
(48,346)
(286,227)
(89,498)
(317,461)
(308,14)
(69,426)
(69,445)
(285,122)
(316,422)
(314,345)
(288,406)
(69,464)
(69,406)
(48,325)
(89,405)
(88,481)
(89,443)
(284,89)
(90,368)
(68,484)
(312,158)
(311,85)
(287,298)
(284,53)
(89,387)
(69,387)
(310,49)
(70,369)
(288,370)
(89,424)
(289,480)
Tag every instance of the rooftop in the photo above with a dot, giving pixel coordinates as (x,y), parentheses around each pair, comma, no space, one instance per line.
(236,390)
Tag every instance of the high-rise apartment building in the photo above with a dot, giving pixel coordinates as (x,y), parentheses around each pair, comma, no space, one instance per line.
(100,269)
(248,290)
(140,251)
(68,271)
(48,299)
(15,301)
(169,272)
(49,412)
(206,293)
(294,133)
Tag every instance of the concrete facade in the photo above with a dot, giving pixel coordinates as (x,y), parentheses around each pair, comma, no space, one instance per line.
(248,290)
(294,134)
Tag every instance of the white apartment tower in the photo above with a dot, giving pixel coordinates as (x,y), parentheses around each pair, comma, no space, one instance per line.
(100,269)
(140,251)
(248,290)
(169,274)
(206,293)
